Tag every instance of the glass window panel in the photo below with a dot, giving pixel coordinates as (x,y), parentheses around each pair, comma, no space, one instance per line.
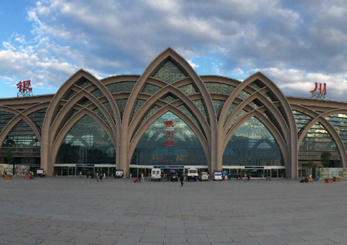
(97,93)
(230,110)
(5,117)
(238,117)
(38,117)
(150,89)
(138,105)
(201,107)
(83,83)
(84,102)
(301,120)
(339,122)
(21,135)
(316,141)
(149,114)
(257,85)
(86,143)
(219,88)
(121,87)
(188,89)
(169,73)
(252,145)
(121,105)
(187,112)
(165,145)
(270,97)
(69,95)
(169,99)
(100,114)
(108,107)
(218,105)
(243,95)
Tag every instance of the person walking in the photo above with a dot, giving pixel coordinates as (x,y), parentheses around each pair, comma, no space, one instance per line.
(182,179)
(100,176)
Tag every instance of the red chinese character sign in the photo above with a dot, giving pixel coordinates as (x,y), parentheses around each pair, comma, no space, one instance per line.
(169,134)
(24,88)
(319,92)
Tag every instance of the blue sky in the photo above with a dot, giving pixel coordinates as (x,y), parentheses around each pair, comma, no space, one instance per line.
(295,43)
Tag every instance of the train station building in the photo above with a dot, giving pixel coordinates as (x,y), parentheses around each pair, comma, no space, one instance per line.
(172,118)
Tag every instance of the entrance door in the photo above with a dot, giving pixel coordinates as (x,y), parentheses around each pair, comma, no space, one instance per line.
(72,171)
(85,171)
(254,172)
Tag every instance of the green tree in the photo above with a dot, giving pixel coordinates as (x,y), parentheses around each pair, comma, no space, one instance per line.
(9,159)
(325,158)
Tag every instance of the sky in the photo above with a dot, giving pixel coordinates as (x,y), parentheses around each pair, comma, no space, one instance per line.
(294,43)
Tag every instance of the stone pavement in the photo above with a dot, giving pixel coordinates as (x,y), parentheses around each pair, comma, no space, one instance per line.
(77,210)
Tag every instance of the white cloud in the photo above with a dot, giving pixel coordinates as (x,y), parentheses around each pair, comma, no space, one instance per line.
(192,64)
(8,46)
(299,83)
(296,43)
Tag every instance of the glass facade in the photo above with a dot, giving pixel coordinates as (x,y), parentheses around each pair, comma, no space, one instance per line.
(121,105)
(23,144)
(86,143)
(150,89)
(316,141)
(188,89)
(219,88)
(121,87)
(21,136)
(252,145)
(169,73)
(38,117)
(218,105)
(339,122)
(301,120)
(169,141)
(5,117)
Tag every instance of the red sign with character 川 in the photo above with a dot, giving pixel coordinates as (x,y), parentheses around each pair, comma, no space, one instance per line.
(319,93)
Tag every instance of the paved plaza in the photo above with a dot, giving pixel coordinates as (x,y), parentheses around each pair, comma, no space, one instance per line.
(77,210)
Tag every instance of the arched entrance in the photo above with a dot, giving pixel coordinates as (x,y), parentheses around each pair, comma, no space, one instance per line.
(169,143)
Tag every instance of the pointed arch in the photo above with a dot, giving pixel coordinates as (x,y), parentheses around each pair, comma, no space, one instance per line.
(53,109)
(182,116)
(153,99)
(70,105)
(67,127)
(268,106)
(168,53)
(272,129)
(259,142)
(331,130)
(189,71)
(19,117)
(289,121)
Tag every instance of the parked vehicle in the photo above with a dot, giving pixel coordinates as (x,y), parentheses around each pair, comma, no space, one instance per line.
(192,174)
(173,176)
(119,174)
(40,172)
(204,176)
(156,174)
(217,175)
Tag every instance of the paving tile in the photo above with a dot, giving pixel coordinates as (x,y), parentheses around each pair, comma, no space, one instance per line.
(119,212)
